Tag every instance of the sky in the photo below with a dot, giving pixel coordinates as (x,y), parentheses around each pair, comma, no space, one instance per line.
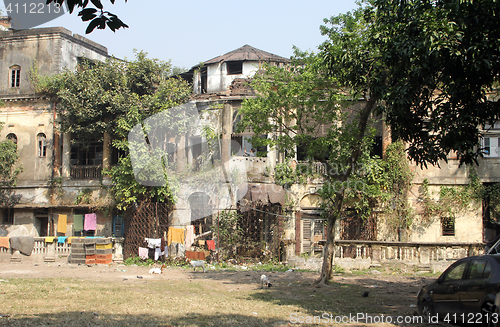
(188,32)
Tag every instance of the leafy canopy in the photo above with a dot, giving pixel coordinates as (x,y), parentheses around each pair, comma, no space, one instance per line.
(444,63)
(112,97)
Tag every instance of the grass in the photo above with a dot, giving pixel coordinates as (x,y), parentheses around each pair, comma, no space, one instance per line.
(217,298)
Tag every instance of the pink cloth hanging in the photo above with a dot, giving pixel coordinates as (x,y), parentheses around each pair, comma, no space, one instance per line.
(189,235)
(90,221)
(143,253)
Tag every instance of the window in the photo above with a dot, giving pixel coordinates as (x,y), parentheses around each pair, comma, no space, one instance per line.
(234,67)
(448,226)
(12,137)
(89,154)
(376,149)
(496,125)
(42,145)
(15,76)
(455,273)
(479,269)
(8,216)
(490,146)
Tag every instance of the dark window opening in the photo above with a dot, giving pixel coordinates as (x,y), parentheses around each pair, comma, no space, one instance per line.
(42,222)
(8,216)
(42,145)
(12,137)
(234,67)
(116,155)
(448,226)
(376,147)
(90,155)
(15,76)
(204,80)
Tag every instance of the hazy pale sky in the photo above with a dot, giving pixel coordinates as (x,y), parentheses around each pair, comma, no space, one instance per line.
(191,31)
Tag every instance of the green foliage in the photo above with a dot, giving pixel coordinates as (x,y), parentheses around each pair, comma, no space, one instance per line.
(285,175)
(397,177)
(98,17)
(84,196)
(9,170)
(453,199)
(442,71)
(228,232)
(135,260)
(112,97)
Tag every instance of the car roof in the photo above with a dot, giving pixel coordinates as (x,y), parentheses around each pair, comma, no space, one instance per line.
(495,257)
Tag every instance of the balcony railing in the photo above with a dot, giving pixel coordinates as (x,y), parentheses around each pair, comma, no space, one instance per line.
(86,172)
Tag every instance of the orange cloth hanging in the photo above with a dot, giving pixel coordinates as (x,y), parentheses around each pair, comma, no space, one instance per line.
(4,242)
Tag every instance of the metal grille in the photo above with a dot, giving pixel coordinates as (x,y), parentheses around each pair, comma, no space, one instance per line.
(261,231)
(357,228)
(147,220)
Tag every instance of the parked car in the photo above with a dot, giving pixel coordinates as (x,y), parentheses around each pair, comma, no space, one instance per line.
(465,293)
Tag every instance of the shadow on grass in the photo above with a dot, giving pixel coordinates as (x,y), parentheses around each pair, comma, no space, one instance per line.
(388,295)
(97,319)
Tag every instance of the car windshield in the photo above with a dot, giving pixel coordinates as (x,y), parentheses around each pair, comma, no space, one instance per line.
(495,249)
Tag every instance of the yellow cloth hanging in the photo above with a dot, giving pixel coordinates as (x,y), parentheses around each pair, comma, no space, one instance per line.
(175,235)
(49,239)
(61,224)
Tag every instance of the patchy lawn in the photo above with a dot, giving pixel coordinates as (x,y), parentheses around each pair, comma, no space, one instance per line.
(117,295)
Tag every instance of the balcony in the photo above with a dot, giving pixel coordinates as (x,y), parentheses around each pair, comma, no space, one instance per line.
(85,172)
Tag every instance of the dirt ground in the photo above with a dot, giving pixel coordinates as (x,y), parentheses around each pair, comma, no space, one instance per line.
(394,293)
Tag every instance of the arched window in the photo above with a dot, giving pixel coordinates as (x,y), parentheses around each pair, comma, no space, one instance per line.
(15,76)
(12,137)
(42,145)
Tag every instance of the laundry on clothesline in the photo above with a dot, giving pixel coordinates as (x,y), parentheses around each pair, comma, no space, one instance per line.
(90,221)
(153,242)
(175,235)
(143,253)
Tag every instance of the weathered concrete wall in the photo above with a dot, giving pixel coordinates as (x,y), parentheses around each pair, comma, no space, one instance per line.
(49,50)
(26,119)
(219,81)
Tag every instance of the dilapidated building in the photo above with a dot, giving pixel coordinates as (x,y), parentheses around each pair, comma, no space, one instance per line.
(54,172)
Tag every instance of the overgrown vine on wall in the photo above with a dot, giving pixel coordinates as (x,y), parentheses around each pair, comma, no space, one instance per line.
(398,212)
(456,199)
(452,199)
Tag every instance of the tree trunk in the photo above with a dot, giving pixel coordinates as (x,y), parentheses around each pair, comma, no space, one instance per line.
(328,252)
(326,269)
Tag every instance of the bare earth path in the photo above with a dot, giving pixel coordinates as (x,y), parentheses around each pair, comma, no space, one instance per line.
(117,295)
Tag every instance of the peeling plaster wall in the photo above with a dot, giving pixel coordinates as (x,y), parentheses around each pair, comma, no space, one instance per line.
(219,81)
(26,119)
(48,49)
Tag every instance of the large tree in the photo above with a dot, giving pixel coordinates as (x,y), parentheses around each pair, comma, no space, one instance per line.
(104,101)
(444,63)
(292,103)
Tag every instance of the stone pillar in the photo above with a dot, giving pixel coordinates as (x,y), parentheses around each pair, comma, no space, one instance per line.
(51,252)
(118,250)
(227,129)
(106,151)
(181,154)
(66,156)
(16,256)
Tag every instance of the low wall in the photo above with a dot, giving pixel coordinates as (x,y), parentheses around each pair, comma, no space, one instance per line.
(53,252)
(435,257)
